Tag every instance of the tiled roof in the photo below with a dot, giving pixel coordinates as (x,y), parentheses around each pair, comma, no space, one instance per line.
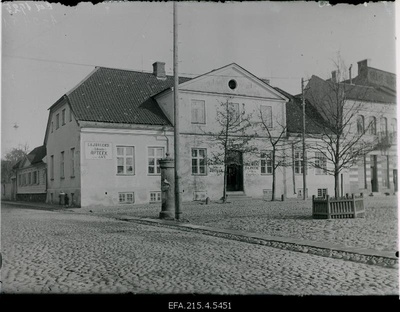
(294,115)
(34,157)
(120,96)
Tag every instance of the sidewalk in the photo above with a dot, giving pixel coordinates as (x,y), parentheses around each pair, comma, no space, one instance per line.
(326,249)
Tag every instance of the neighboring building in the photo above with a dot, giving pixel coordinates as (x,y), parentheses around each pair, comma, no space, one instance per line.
(31,177)
(371,97)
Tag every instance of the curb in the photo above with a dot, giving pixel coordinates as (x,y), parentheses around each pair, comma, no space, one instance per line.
(366,256)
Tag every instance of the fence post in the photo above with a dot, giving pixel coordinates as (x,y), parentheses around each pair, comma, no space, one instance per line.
(353,203)
(328,205)
(313,205)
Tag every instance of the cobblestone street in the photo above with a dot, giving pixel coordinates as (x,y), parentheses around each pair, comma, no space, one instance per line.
(66,252)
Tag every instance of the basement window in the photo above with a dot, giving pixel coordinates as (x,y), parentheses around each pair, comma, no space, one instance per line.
(126,198)
(155,197)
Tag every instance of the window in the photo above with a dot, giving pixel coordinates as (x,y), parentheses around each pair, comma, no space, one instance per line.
(154,156)
(63,116)
(360,124)
(57,121)
(266,115)
(383,126)
(126,198)
(29,178)
(198,112)
(44,177)
(233,112)
(20,179)
(320,163)
(24,179)
(199,161)
(266,162)
(232,84)
(372,125)
(125,160)
(72,162)
(394,126)
(155,197)
(52,167)
(298,162)
(62,166)
(322,192)
(70,114)
(34,178)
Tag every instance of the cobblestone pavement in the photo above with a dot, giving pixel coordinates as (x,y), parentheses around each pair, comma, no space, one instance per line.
(292,218)
(67,252)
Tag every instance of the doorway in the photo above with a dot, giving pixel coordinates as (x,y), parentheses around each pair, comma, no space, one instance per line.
(234,173)
(374,174)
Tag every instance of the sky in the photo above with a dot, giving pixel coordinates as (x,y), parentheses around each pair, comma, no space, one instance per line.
(48,48)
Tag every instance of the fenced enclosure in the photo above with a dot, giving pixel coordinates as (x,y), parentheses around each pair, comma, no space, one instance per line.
(338,208)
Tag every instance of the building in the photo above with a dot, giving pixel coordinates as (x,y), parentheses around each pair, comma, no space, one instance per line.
(30,181)
(368,114)
(104,138)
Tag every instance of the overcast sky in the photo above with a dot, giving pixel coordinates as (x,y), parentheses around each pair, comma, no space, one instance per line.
(49,48)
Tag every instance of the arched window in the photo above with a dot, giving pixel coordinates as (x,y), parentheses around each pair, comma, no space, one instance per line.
(372,125)
(383,126)
(360,124)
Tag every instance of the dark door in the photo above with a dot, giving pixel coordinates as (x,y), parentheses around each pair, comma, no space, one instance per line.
(395,179)
(234,173)
(374,174)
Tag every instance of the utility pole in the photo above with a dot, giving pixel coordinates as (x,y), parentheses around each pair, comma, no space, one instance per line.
(176,120)
(304,142)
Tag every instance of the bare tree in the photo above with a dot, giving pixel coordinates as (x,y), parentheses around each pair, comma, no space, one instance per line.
(341,107)
(231,136)
(275,133)
(10,159)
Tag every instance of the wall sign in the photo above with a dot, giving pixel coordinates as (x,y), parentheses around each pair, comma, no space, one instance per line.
(98,150)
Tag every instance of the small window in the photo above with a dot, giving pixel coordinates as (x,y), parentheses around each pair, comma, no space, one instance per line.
(266,162)
(199,161)
(126,198)
(63,116)
(232,84)
(57,121)
(360,124)
(372,125)
(72,162)
(62,165)
(29,178)
(321,192)
(155,197)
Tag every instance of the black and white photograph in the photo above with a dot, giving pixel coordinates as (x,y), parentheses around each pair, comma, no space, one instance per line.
(198,155)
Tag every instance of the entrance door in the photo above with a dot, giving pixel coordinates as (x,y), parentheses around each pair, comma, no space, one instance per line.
(374,174)
(234,176)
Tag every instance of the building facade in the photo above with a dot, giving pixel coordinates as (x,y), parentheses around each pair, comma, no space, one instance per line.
(104,139)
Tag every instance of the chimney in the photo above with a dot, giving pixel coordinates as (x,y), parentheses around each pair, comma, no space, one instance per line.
(351,65)
(159,70)
(334,77)
(362,67)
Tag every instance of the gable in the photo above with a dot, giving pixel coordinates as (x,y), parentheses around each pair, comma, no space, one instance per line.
(232,80)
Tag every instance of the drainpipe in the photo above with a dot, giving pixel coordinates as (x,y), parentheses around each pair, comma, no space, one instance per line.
(166,137)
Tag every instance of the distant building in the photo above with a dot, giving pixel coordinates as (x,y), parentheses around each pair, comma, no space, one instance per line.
(30,177)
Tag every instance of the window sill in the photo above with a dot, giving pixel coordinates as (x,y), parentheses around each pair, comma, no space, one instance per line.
(266,174)
(154,174)
(72,177)
(199,174)
(125,174)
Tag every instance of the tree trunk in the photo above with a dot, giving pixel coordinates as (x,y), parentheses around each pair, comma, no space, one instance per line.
(337,183)
(273,175)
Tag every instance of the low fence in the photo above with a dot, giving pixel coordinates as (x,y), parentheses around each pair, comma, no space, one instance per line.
(338,208)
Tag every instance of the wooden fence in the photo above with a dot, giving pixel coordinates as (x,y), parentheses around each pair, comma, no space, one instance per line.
(338,208)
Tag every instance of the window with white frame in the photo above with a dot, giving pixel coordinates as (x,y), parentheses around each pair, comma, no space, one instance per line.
(320,163)
(126,198)
(73,162)
(298,162)
(62,166)
(321,192)
(154,156)
(155,197)
(198,112)
(266,115)
(266,162)
(199,161)
(125,160)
